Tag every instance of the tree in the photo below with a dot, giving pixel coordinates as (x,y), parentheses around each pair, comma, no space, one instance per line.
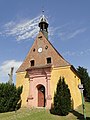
(85,80)
(10,97)
(10,81)
(62,98)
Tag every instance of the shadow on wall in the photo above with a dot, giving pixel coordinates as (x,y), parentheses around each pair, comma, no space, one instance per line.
(79,115)
(72,104)
(26,76)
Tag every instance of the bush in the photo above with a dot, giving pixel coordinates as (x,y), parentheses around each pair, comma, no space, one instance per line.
(62,99)
(10,97)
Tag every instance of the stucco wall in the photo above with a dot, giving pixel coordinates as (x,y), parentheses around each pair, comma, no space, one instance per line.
(71,79)
(22,81)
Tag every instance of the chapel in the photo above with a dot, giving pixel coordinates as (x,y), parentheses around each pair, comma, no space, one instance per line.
(41,70)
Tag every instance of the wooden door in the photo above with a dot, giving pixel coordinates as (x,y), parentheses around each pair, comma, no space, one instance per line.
(41,98)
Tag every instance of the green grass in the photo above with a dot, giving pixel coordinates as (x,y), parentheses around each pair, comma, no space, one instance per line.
(44,114)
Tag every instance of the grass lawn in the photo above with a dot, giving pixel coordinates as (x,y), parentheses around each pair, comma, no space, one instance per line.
(44,114)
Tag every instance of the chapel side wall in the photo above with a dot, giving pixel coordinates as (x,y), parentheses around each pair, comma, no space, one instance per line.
(21,80)
(71,79)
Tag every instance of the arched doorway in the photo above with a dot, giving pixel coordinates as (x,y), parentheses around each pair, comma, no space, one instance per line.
(41,96)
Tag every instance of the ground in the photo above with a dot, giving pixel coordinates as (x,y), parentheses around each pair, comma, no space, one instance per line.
(43,114)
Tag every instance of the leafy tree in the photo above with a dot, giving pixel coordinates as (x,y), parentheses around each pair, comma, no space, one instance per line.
(10,97)
(62,98)
(85,80)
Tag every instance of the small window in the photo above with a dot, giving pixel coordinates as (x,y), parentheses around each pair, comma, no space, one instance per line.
(48,60)
(32,62)
(46,47)
(34,50)
(40,37)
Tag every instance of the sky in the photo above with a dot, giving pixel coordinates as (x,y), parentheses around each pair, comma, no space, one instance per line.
(69,31)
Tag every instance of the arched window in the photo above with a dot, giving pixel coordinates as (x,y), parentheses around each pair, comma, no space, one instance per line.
(32,62)
(48,60)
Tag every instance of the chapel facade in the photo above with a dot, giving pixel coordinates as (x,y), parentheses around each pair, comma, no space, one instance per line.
(41,70)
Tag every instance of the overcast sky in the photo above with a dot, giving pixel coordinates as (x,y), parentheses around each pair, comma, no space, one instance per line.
(69,31)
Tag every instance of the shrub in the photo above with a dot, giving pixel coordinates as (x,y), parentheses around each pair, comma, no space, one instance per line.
(62,99)
(10,97)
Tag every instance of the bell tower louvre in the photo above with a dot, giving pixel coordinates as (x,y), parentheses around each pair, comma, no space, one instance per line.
(40,72)
(43,24)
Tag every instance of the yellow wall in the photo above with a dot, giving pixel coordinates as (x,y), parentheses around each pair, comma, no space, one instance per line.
(22,81)
(71,79)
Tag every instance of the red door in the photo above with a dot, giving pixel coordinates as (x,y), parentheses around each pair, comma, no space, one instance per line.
(41,99)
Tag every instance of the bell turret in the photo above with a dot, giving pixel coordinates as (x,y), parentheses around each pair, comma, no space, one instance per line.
(43,24)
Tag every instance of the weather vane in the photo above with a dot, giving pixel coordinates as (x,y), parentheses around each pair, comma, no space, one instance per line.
(43,11)
(42,6)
